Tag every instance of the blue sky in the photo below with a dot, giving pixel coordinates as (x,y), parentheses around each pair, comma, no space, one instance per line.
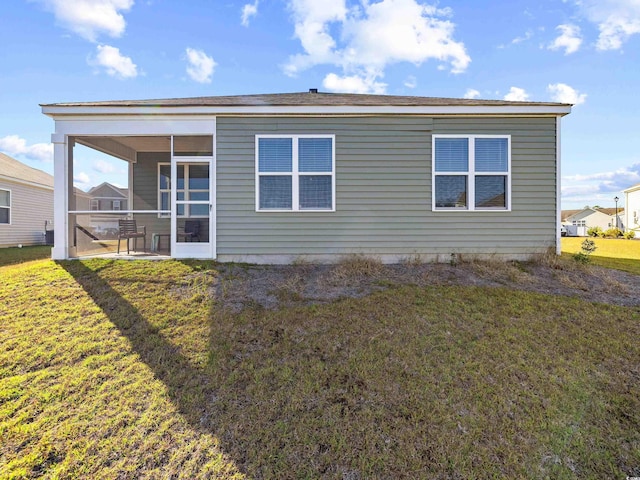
(585,52)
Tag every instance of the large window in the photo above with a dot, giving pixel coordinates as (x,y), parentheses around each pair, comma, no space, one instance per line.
(193,184)
(5,206)
(471,172)
(295,173)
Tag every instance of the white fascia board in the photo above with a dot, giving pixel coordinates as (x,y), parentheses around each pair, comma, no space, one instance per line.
(25,182)
(632,189)
(82,111)
(134,125)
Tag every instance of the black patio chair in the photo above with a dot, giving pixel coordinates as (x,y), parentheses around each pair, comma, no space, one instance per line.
(190,231)
(127,230)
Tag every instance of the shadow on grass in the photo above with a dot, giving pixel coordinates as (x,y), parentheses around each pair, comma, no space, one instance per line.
(189,387)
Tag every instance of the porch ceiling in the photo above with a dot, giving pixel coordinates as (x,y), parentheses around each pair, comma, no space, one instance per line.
(126,147)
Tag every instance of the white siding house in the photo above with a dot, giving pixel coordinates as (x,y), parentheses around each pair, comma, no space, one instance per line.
(577,222)
(26,203)
(632,209)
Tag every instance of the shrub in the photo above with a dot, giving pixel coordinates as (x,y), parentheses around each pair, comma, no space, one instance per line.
(629,234)
(587,248)
(595,232)
(613,233)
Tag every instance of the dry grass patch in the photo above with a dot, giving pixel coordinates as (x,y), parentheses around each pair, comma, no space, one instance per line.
(500,271)
(354,267)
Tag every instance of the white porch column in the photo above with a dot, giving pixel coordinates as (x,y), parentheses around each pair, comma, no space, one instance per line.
(60,197)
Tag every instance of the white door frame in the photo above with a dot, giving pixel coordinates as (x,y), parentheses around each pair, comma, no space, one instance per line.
(203,250)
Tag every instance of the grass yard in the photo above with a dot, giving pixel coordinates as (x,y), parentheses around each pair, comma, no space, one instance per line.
(116,369)
(615,253)
(13,255)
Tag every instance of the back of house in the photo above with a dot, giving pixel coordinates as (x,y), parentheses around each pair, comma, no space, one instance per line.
(279,177)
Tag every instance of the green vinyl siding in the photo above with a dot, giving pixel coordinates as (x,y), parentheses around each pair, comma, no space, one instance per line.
(383,190)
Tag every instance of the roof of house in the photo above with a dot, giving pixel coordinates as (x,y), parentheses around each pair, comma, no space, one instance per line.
(304,99)
(12,168)
(565,214)
(632,188)
(104,188)
(611,211)
(569,213)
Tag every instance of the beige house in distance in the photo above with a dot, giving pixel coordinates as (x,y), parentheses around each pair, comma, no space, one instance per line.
(26,203)
(578,221)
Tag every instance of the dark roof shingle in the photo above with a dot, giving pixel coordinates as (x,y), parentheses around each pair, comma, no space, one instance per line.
(304,99)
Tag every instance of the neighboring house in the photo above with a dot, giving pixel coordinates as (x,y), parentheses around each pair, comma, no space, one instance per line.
(107,197)
(26,203)
(578,222)
(632,208)
(278,177)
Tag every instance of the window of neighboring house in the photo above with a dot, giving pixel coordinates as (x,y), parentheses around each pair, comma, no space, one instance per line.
(471,172)
(295,173)
(193,184)
(5,206)
(115,205)
(95,204)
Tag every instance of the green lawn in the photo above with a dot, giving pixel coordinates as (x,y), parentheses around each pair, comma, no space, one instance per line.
(12,255)
(615,253)
(116,369)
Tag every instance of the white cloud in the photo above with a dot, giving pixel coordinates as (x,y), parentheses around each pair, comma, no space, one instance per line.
(563,93)
(411,82)
(471,93)
(201,66)
(114,63)
(248,11)
(528,34)
(599,187)
(569,39)
(81,181)
(617,20)
(13,145)
(353,84)
(90,18)
(103,166)
(365,39)
(517,95)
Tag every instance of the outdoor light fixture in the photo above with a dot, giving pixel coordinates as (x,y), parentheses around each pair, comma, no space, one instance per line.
(615,199)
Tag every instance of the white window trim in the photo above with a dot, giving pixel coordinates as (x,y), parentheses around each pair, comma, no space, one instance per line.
(295,174)
(186,201)
(470,174)
(116,203)
(95,205)
(7,207)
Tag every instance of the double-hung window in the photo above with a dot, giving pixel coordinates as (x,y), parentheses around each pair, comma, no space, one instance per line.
(471,172)
(295,173)
(5,206)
